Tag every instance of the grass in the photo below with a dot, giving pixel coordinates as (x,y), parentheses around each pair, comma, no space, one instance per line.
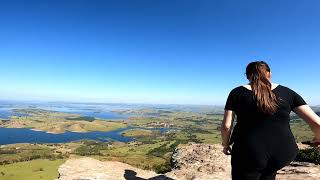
(213,138)
(25,152)
(301,131)
(31,170)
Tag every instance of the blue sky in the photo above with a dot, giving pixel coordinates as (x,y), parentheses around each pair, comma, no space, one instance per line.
(159,51)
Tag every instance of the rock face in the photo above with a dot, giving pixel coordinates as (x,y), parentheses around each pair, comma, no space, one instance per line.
(190,162)
(91,169)
(200,161)
(298,171)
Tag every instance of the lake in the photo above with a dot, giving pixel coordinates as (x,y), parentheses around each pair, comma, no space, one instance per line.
(5,113)
(101,111)
(24,135)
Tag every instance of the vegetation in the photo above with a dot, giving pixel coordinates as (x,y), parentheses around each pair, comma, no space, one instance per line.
(154,156)
(31,170)
(301,130)
(309,155)
(26,152)
(90,148)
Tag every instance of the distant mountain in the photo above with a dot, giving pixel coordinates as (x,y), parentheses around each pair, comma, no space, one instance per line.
(315,108)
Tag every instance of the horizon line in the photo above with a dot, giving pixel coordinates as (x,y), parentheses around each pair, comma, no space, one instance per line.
(95,102)
(129,103)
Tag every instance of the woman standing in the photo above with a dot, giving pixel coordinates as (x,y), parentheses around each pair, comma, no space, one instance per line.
(262,139)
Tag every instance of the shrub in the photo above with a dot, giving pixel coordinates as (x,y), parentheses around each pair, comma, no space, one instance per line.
(92,149)
(162,168)
(309,155)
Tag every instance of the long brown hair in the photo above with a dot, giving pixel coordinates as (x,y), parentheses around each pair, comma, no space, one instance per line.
(266,100)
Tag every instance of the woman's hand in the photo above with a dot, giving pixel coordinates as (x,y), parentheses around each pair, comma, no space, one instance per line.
(315,141)
(227,150)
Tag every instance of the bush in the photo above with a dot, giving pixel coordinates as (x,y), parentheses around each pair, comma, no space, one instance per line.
(160,151)
(162,168)
(91,148)
(60,156)
(309,155)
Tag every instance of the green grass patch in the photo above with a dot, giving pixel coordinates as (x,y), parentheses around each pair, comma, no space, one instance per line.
(31,170)
(26,152)
(301,130)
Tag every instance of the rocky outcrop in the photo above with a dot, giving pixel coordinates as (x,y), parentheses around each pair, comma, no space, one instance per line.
(91,169)
(191,161)
(200,161)
(298,171)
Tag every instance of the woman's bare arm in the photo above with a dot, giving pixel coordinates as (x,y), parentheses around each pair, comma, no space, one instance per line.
(309,116)
(226,127)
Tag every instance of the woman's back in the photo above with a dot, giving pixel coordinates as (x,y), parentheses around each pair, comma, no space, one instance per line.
(266,137)
(262,139)
(241,101)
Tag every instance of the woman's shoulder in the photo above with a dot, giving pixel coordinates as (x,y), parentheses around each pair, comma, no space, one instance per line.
(237,90)
(286,88)
(241,87)
(247,86)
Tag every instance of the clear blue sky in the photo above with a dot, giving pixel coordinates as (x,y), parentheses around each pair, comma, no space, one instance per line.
(154,51)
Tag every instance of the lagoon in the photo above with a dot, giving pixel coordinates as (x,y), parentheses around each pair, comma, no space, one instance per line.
(25,135)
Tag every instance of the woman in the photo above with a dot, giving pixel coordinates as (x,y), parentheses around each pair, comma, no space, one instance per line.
(262,139)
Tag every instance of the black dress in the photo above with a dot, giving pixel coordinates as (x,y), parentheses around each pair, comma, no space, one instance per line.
(262,144)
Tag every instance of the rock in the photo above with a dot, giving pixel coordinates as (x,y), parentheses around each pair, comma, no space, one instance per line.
(299,170)
(91,169)
(190,162)
(200,161)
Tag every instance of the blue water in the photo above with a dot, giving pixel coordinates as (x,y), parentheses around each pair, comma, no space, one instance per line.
(24,135)
(5,113)
(97,114)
